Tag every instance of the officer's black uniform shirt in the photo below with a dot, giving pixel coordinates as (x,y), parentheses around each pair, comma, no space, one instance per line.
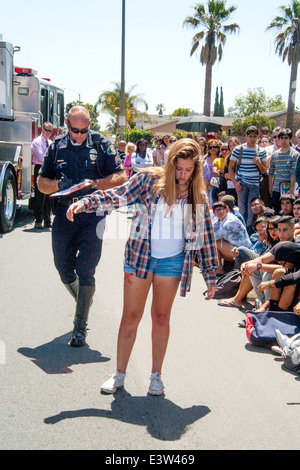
(95,158)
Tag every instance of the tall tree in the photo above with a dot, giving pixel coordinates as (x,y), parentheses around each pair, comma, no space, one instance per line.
(217,104)
(287,45)
(221,106)
(213,35)
(110,102)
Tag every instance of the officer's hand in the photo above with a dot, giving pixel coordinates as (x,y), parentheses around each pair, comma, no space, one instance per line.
(74,208)
(94,183)
(64,183)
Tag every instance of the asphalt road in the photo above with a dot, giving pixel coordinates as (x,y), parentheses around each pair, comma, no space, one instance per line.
(220,392)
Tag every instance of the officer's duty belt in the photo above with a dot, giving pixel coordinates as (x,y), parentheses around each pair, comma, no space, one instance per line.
(67,201)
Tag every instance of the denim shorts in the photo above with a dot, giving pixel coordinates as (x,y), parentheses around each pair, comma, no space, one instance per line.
(167,267)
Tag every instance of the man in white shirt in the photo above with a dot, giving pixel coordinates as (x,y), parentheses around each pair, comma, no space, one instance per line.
(39,147)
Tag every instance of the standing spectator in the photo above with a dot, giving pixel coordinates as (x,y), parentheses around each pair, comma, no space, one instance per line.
(142,157)
(172,141)
(251,160)
(230,189)
(282,170)
(298,176)
(39,148)
(297,146)
(121,150)
(213,151)
(203,145)
(165,145)
(158,153)
(127,162)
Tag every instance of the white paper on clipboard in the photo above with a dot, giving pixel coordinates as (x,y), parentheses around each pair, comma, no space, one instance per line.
(73,188)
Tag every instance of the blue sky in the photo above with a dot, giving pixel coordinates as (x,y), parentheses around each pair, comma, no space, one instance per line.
(78,45)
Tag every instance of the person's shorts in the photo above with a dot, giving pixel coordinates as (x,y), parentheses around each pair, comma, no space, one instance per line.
(167,267)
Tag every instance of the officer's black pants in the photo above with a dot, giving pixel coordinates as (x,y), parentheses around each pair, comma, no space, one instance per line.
(42,201)
(76,246)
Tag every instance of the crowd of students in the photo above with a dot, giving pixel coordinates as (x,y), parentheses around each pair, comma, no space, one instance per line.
(253,192)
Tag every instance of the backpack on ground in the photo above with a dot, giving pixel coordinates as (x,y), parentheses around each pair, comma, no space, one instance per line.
(228,284)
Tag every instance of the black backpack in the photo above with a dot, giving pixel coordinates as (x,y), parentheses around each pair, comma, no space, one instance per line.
(227,285)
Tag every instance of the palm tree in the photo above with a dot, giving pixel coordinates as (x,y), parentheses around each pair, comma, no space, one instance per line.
(287,44)
(110,102)
(213,35)
(160,108)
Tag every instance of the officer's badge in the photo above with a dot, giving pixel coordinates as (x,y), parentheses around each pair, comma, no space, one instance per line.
(111,150)
(118,160)
(93,155)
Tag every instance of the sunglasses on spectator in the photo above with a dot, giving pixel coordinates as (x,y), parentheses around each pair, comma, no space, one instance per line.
(48,130)
(213,147)
(78,131)
(225,149)
(172,140)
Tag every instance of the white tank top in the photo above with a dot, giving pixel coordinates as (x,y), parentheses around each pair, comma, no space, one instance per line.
(167,234)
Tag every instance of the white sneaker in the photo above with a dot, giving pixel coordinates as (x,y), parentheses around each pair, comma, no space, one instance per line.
(156,385)
(111,385)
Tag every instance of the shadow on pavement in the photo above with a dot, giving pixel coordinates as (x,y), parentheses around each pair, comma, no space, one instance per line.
(163,419)
(56,357)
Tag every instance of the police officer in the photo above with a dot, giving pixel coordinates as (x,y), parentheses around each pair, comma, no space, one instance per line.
(73,157)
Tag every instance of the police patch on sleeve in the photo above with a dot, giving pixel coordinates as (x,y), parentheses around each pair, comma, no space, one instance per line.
(111,150)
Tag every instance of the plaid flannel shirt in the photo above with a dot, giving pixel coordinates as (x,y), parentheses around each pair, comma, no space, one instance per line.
(199,235)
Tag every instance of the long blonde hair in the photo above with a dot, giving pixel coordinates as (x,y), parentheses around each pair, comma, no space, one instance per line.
(165,185)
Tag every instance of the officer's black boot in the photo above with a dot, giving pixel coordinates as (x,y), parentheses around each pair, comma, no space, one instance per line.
(73,288)
(84,300)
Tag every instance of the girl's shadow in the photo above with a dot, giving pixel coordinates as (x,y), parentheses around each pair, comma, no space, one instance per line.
(163,419)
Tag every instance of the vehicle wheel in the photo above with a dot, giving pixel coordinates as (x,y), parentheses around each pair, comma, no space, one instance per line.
(8,203)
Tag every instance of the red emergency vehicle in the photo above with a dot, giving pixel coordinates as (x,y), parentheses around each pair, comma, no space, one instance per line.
(26,102)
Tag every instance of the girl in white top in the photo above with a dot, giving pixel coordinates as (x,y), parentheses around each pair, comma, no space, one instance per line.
(142,158)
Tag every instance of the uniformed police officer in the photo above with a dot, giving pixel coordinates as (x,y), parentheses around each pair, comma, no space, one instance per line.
(78,155)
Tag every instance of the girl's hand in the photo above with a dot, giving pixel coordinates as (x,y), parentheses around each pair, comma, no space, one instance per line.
(74,208)
(210,293)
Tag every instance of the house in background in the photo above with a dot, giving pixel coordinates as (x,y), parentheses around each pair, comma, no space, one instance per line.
(167,124)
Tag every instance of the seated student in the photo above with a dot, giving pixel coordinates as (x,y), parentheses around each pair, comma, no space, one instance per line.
(230,201)
(229,233)
(273,229)
(286,204)
(259,210)
(296,214)
(263,244)
(285,289)
(261,268)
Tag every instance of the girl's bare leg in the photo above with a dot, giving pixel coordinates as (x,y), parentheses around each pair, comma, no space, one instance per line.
(164,291)
(135,295)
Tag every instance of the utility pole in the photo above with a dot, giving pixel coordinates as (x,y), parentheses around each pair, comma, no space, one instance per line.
(122,120)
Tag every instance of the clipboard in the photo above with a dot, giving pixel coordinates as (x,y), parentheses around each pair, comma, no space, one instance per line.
(73,188)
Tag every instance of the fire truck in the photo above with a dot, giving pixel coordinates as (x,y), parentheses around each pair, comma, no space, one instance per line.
(26,102)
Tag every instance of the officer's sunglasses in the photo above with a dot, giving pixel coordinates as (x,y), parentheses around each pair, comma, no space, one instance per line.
(78,131)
